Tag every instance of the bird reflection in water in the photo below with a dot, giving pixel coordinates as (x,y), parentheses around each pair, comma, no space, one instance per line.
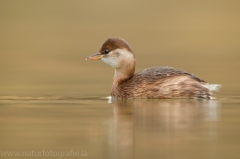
(142,124)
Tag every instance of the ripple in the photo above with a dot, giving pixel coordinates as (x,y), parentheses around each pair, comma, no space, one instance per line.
(49,98)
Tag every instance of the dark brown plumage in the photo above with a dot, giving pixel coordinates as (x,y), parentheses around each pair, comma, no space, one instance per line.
(161,82)
(156,82)
(115,43)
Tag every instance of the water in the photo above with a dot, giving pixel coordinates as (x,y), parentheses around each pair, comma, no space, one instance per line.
(53,102)
(101,128)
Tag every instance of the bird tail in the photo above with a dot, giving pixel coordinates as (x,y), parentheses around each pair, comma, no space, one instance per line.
(213,87)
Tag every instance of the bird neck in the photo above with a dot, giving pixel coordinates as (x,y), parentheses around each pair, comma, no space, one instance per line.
(124,72)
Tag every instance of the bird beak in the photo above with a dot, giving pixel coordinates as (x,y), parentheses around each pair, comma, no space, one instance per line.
(96,56)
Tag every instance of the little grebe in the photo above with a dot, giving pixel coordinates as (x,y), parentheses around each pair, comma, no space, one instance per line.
(155,82)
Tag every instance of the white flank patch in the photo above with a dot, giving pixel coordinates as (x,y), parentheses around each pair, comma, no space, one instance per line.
(109,97)
(213,87)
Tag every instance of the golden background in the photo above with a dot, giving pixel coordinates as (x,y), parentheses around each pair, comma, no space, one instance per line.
(43,44)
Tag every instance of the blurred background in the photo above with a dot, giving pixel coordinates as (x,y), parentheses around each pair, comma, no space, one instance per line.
(43,44)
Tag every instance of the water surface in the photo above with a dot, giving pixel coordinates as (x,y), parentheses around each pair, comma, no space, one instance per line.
(102,128)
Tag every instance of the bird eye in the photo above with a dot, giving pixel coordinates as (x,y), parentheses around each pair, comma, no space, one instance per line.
(106,51)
